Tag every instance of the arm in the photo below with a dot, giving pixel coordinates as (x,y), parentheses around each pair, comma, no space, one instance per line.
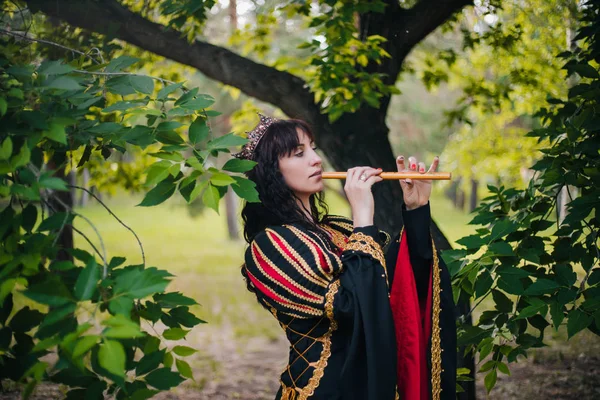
(416,229)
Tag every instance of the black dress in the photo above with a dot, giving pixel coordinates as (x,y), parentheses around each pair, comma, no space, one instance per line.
(334,306)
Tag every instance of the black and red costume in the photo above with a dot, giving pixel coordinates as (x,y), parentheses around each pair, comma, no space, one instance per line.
(362,324)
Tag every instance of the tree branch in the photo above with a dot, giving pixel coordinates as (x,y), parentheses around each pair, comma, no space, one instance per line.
(111,18)
(422,19)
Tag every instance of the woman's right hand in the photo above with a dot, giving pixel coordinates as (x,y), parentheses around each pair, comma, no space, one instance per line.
(359,181)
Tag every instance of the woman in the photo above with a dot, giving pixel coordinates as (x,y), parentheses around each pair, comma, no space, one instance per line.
(362,324)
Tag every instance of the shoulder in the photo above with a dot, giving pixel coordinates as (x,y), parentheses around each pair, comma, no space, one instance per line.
(292,248)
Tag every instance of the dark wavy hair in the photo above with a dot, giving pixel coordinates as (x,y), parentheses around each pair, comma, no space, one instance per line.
(278,203)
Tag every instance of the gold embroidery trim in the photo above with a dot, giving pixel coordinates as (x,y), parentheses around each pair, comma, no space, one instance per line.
(304,393)
(360,242)
(338,238)
(436,344)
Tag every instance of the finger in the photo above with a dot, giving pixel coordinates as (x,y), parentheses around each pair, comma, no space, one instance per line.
(422,167)
(434,164)
(400,163)
(412,163)
(373,180)
(366,172)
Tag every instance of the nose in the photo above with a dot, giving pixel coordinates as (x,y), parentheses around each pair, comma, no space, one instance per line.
(315,159)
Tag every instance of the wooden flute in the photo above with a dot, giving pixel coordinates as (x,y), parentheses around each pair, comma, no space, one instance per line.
(436,176)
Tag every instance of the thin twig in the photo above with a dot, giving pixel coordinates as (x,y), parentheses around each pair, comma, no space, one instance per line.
(90,242)
(117,218)
(81,71)
(25,37)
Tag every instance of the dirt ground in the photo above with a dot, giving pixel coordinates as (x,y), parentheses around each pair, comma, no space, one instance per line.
(250,371)
(226,369)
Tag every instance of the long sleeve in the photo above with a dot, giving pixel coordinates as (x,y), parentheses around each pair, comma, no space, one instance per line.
(297,275)
(417,231)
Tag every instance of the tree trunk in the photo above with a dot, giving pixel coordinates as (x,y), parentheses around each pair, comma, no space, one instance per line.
(231,209)
(85,196)
(473,198)
(62,201)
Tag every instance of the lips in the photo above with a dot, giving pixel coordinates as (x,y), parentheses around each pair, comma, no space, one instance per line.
(318,173)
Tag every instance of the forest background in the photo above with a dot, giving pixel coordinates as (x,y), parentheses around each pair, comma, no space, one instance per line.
(471,86)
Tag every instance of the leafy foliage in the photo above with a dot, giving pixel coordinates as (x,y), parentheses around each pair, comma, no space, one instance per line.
(540,271)
(97,315)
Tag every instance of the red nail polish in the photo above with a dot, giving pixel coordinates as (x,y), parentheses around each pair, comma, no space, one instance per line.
(413,166)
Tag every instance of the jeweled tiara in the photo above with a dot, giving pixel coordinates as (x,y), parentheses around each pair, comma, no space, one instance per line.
(254,136)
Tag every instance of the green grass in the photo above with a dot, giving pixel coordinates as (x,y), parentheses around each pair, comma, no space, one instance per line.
(198,252)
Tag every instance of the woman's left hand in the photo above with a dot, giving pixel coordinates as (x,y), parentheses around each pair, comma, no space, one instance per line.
(416,192)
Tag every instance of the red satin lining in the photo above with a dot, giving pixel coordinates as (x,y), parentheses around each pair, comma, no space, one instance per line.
(412,322)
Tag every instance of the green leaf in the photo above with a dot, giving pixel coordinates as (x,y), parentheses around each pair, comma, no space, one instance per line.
(557,314)
(121,106)
(63,83)
(221,179)
(167,90)
(57,133)
(54,68)
(169,126)
(22,158)
(175,334)
(169,137)
(490,380)
(55,221)
(140,283)
(246,189)
(502,228)
(503,303)
(200,102)
(25,320)
(542,286)
(121,327)
(198,131)
(149,362)
(211,197)
(84,344)
(112,357)
(157,172)
(120,63)
(143,394)
(537,306)
(163,379)
(585,70)
(142,84)
(501,249)
(29,215)
(6,149)
(159,194)
(237,165)
(171,156)
(226,141)
(87,281)
(3,106)
(470,242)
(51,291)
(184,369)
(121,305)
(577,321)
(50,182)
(173,299)
(184,351)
